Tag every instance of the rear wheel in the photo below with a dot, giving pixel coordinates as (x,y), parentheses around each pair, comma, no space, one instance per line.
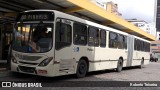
(119,65)
(81,68)
(156,59)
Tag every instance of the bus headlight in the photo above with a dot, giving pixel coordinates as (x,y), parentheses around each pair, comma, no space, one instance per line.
(45,61)
(14,59)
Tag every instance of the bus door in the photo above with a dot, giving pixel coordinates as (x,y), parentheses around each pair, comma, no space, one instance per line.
(0,43)
(63,46)
(130,50)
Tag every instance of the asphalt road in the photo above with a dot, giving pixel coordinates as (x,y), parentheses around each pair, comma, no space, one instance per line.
(150,72)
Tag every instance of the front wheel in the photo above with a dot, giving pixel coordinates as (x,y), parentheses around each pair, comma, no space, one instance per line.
(119,65)
(81,68)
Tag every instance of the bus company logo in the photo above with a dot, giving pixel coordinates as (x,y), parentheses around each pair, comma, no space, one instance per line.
(6,84)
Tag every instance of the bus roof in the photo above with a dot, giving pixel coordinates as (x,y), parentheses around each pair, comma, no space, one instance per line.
(77,19)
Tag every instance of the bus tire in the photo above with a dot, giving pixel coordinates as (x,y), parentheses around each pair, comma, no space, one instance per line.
(142,64)
(82,69)
(119,65)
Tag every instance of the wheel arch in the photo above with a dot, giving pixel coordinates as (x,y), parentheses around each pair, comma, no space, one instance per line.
(86,59)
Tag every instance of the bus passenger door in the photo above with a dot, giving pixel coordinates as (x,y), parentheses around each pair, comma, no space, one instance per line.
(130,50)
(63,46)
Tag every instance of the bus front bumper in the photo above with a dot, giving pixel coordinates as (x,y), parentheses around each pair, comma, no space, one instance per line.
(49,71)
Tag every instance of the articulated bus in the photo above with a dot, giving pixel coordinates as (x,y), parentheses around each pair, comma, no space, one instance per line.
(51,43)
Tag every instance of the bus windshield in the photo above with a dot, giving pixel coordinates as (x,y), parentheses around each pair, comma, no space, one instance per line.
(33,37)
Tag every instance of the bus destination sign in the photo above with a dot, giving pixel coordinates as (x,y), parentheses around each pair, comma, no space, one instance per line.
(36,16)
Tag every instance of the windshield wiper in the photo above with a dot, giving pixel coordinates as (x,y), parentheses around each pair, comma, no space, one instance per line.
(31,33)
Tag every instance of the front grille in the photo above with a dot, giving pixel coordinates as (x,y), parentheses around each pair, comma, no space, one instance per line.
(31,58)
(28,63)
(26,57)
(27,69)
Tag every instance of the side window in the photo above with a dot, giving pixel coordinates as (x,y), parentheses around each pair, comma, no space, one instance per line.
(142,46)
(135,44)
(148,47)
(135,48)
(121,41)
(80,34)
(125,42)
(63,35)
(113,40)
(102,38)
(145,46)
(138,45)
(93,36)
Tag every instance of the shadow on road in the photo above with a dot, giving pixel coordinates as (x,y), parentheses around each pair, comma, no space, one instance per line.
(28,77)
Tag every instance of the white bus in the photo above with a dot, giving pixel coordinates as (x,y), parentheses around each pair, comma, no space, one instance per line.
(51,43)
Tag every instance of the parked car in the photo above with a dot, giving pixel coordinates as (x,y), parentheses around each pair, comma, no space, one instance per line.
(153,58)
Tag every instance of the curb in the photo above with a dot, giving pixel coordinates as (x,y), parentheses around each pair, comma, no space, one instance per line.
(3,69)
(3,61)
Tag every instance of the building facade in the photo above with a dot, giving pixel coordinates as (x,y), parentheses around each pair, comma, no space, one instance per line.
(143,25)
(113,8)
(98,3)
(108,6)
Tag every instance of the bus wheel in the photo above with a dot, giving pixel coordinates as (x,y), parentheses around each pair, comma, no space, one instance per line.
(119,65)
(142,64)
(81,68)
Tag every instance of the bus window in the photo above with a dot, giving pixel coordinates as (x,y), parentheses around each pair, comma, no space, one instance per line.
(147,47)
(63,35)
(120,42)
(93,36)
(113,40)
(138,45)
(135,44)
(80,34)
(32,37)
(142,46)
(102,38)
(125,40)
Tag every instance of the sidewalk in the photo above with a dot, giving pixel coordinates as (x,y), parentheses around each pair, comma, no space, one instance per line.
(3,69)
(3,65)
(5,73)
